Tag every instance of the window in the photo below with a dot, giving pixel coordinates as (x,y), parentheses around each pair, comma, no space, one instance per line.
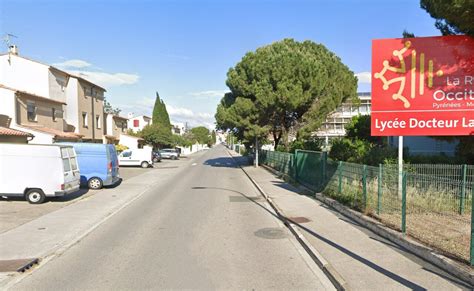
(136,123)
(31,111)
(66,165)
(127,154)
(53,114)
(97,121)
(84,119)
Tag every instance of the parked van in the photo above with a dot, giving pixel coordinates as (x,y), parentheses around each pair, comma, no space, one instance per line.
(98,164)
(136,157)
(38,171)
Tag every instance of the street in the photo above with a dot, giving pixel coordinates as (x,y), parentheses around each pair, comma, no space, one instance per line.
(207,227)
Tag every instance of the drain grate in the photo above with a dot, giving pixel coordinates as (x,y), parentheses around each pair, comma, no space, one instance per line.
(19,265)
(243,199)
(298,219)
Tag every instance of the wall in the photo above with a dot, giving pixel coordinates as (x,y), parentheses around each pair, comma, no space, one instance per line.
(24,75)
(85,105)
(72,110)
(7,103)
(43,113)
(13,139)
(57,85)
(129,141)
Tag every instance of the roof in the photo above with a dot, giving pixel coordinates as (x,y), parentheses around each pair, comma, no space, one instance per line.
(110,136)
(5,131)
(87,81)
(33,95)
(144,116)
(119,117)
(57,133)
(56,69)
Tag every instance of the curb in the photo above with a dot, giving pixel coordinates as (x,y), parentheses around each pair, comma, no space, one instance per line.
(426,253)
(322,263)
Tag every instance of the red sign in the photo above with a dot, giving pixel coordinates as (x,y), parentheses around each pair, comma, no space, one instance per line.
(423,86)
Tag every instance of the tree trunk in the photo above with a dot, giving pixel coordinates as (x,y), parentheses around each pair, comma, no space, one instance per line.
(276,139)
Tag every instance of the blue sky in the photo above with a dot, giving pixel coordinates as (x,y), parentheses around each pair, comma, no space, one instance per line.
(183,49)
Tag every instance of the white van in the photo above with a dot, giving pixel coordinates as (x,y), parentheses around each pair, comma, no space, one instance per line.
(136,157)
(38,171)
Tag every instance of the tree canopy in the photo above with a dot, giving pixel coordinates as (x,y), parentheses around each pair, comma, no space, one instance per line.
(287,85)
(202,135)
(160,114)
(452,16)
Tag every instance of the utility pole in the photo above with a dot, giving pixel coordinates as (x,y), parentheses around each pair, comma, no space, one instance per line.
(256,152)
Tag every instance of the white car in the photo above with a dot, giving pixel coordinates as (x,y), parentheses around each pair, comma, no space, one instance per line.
(38,171)
(136,157)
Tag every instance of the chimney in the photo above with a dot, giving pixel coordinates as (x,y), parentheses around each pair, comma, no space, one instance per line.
(13,49)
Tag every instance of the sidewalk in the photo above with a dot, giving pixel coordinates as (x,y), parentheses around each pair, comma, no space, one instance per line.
(51,234)
(364,260)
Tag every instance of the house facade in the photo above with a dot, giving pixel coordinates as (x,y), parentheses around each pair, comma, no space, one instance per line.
(114,127)
(85,107)
(139,122)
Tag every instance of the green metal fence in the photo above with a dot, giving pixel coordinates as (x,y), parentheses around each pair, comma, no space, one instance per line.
(433,204)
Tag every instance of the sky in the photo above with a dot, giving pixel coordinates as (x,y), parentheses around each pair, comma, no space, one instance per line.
(184,49)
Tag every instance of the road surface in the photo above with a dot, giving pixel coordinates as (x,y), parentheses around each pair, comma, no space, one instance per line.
(206,228)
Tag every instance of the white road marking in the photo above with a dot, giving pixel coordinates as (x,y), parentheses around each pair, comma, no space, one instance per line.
(193,164)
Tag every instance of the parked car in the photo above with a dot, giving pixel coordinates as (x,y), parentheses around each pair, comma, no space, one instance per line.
(156,157)
(38,171)
(98,163)
(169,154)
(136,157)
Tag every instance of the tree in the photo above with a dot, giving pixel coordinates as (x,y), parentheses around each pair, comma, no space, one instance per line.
(201,134)
(213,136)
(109,109)
(158,136)
(160,114)
(282,86)
(452,16)
(359,128)
(406,34)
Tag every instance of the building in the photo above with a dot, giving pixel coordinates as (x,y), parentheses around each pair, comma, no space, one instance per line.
(40,117)
(334,126)
(114,127)
(33,96)
(139,122)
(85,109)
(179,128)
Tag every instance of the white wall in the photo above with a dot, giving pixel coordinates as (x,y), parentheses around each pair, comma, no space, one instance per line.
(130,141)
(24,75)
(72,110)
(57,81)
(7,103)
(141,123)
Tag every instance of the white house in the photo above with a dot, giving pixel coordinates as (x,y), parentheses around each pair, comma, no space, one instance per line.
(179,128)
(33,95)
(132,142)
(137,123)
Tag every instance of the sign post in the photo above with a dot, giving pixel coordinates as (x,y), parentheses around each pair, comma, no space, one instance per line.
(400,165)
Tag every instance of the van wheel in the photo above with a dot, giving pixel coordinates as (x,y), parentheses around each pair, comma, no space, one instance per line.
(145,165)
(35,196)
(94,183)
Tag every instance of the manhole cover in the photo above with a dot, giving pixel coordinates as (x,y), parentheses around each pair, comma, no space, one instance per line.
(20,265)
(299,219)
(243,199)
(271,233)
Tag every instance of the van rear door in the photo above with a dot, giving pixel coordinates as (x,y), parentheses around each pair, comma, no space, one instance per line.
(72,176)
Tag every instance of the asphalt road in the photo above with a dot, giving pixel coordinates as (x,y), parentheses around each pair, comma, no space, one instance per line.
(207,228)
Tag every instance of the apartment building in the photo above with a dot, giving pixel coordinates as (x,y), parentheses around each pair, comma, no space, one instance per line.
(85,109)
(39,117)
(33,96)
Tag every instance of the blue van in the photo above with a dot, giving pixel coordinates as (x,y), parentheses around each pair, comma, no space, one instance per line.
(98,164)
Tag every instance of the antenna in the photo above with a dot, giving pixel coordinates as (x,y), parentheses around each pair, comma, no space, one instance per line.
(7,39)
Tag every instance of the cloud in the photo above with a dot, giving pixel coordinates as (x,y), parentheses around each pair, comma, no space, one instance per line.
(107,79)
(96,75)
(79,64)
(209,93)
(183,115)
(364,77)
